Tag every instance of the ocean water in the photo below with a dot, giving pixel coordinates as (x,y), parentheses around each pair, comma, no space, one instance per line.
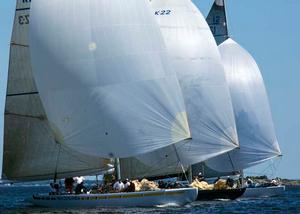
(13,200)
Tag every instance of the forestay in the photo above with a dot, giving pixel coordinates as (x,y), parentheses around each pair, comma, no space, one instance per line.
(104,77)
(30,150)
(196,60)
(255,127)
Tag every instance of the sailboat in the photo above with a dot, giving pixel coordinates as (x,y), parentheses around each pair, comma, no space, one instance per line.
(82,91)
(197,62)
(256,133)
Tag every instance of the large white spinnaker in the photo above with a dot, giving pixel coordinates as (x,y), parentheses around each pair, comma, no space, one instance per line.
(30,150)
(104,77)
(255,128)
(197,62)
(256,133)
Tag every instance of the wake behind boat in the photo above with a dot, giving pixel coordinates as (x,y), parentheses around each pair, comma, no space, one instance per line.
(177,197)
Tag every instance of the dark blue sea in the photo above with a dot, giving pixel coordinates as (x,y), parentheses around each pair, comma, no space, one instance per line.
(13,200)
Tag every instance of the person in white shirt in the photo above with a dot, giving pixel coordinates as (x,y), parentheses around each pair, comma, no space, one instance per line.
(118,186)
(126,184)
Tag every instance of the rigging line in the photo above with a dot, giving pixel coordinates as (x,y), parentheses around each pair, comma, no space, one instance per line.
(182,168)
(22,94)
(233,168)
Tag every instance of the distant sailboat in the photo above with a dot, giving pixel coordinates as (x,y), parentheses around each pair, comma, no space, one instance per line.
(258,142)
(196,60)
(82,91)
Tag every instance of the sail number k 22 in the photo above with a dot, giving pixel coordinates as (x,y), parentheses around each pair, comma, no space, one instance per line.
(23,19)
(162,12)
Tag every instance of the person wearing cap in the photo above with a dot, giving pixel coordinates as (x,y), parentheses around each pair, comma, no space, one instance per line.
(80,188)
(126,183)
(200,177)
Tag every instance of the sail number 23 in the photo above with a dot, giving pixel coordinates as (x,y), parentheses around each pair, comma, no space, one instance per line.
(23,19)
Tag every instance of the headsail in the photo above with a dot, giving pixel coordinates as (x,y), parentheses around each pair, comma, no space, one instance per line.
(196,60)
(104,77)
(255,127)
(30,150)
(217,21)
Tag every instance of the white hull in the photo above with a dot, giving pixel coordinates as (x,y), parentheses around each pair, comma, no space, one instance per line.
(133,199)
(264,192)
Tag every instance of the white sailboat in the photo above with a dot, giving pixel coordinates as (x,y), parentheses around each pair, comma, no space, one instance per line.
(81,91)
(197,62)
(258,142)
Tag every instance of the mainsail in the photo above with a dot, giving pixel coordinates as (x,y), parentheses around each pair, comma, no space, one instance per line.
(255,128)
(217,21)
(30,149)
(196,60)
(104,78)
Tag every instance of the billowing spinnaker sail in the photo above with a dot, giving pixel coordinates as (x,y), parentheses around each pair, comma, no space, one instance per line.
(217,22)
(197,62)
(254,123)
(104,77)
(30,150)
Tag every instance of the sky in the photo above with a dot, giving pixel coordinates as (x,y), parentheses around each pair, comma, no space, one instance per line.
(270,31)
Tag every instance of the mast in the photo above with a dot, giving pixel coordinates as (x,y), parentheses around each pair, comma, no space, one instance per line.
(190,174)
(118,168)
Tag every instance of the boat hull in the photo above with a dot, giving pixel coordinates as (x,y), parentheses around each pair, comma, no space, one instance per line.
(229,194)
(177,197)
(264,192)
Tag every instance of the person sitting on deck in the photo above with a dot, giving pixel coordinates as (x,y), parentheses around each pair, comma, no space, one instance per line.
(118,186)
(162,184)
(200,177)
(129,186)
(55,189)
(126,184)
(230,182)
(250,183)
(274,182)
(69,185)
(80,188)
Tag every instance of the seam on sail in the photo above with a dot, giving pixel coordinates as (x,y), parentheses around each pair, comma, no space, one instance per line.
(22,94)
(20,9)
(17,44)
(29,116)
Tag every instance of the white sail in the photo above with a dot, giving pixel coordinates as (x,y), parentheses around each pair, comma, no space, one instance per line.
(255,127)
(104,77)
(197,62)
(30,150)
